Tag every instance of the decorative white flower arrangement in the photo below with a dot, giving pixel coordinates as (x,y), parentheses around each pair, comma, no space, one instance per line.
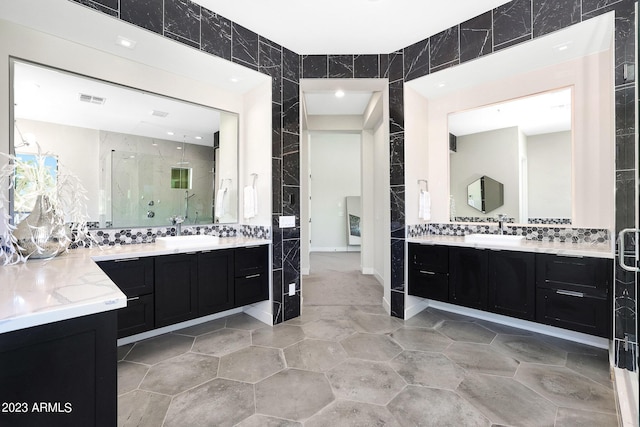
(55,200)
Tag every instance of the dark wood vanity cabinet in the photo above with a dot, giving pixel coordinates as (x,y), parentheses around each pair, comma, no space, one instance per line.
(512,284)
(215,281)
(429,271)
(134,277)
(468,280)
(176,290)
(251,282)
(574,293)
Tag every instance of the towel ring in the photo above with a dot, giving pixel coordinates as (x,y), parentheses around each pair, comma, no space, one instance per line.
(255,178)
(426,184)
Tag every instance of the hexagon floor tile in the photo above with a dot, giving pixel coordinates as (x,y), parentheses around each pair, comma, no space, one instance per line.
(354,366)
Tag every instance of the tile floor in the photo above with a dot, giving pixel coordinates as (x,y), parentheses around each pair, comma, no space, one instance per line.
(353,365)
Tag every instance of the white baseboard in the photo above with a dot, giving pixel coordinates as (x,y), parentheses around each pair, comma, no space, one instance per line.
(369,270)
(626,383)
(386,305)
(334,249)
(378,277)
(181,325)
(260,311)
(413,306)
(523,324)
(304,271)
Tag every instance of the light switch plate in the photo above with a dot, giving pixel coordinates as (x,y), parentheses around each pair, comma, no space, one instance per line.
(292,289)
(287,221)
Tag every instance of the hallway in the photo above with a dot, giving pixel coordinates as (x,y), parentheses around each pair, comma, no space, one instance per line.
(344,362)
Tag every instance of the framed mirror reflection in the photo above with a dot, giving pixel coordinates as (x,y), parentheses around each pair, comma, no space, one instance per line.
(143,158)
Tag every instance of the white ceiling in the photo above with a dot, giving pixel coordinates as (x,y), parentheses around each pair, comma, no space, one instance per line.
(348,26)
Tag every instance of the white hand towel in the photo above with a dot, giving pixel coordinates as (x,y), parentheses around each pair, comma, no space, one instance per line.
(220,202)
(424,206)
(250,202)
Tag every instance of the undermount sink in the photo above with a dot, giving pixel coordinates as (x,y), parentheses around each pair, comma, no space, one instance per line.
(190,241)
(496,239)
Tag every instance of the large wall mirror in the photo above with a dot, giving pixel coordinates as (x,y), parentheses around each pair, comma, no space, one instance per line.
(554,150)
(142,157)
(525,144)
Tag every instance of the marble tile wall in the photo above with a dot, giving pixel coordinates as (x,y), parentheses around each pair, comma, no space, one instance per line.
(515,22)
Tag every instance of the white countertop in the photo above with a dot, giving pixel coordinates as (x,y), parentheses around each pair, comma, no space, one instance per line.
(599,250)
(72,285)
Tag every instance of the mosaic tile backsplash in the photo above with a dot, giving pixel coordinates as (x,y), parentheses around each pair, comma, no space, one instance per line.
(544,233)
(134,236)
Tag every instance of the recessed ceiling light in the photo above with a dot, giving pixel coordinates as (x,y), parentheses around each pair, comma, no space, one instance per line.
(198,137)
(169,133)
(234,79)
(562,46)
(339,93)
(442,84)
(125,42)
(178,148)
(155,144)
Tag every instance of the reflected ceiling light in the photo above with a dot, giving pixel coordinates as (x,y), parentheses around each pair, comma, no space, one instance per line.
(198,137)
(125,42)
(562,46)
(442,84)
(339,93)
(169,133)
(178,148)
(234,79)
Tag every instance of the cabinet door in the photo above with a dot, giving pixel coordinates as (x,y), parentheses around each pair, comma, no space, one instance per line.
(512,284)
(215,281)
(468,277)
(137,316)
(574,310)
(429,271)
(176,293)
(134,276)
(592,276)
(251,275)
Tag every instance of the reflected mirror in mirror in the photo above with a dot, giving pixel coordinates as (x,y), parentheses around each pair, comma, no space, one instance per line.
(525,144)
(485,194)
(142,157)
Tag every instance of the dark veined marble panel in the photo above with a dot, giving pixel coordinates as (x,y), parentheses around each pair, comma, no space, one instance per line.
(397,264)
(315,66)
(276,185)
(625,110)
(146,14)
(290,65)
(444,48)
(340,66)
(589,6)
(397,211)
(244,45)
(416,60)
(291,306)
(291,201)
(511,23)
(99,7)
(366,66)
(276,240)
(396,174)
(625,151)
(291,263)
(270,60)
(182,18)
(215,34)
(290,106)
(276,129)
(291,168)
(396,148)
(396,107)
(397,304)
(291,233)
(625,199)
(277,291)
(553,15)
(111,4)
(183,40)
(476,37)
(290,143)
(392,66)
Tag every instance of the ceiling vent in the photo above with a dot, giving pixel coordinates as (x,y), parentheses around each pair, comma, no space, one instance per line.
(159,113)
(92,99)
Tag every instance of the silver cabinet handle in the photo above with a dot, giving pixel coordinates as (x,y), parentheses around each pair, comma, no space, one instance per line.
(427,272)
(620,241)
(252,276)
(126,259)
(570,293)
(133,299)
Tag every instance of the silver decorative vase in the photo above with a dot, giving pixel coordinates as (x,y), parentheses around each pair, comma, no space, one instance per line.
(42,234)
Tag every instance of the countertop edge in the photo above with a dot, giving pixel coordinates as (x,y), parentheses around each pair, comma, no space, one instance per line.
(567,249)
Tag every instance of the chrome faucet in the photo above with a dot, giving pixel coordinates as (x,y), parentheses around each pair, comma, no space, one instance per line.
(177,221)
(502,218)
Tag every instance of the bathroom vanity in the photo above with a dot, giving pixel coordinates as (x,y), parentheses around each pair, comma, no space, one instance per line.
(60,318)
(558,284)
